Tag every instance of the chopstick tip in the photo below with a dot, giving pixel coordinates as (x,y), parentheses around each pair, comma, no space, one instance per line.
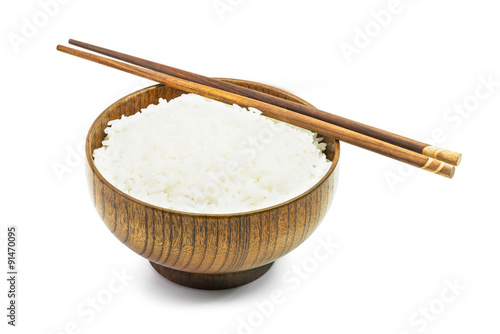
(452,173)
(441,154)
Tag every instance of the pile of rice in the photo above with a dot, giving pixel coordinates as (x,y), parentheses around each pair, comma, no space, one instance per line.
(195,154)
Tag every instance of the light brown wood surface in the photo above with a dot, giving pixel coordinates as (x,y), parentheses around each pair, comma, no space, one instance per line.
(372,144)
(446,156)
(182,245)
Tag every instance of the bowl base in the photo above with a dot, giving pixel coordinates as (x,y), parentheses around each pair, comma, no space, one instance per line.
(211,281)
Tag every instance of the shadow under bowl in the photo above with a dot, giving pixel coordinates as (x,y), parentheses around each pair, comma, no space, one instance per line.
(205,251)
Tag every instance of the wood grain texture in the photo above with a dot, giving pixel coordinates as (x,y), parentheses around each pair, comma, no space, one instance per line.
(441,154)
(211,281)
(205,243)
(282,114)
(446,156)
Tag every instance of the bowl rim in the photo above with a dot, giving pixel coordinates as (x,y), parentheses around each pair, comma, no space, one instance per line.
(95,171)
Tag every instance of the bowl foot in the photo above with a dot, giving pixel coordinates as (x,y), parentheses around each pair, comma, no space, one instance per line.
(211,281)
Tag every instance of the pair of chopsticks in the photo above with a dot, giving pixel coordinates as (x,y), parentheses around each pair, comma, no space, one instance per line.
(412,152)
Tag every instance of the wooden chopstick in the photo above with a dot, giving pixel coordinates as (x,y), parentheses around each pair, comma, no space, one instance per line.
(410,144)
(282,114)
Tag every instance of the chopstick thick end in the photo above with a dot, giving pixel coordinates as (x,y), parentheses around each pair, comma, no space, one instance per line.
(439,167)
(441,154)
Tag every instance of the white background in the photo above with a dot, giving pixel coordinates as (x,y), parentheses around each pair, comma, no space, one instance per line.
(402,233)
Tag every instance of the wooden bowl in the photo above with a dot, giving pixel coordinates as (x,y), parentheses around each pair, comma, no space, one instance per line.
(206,251)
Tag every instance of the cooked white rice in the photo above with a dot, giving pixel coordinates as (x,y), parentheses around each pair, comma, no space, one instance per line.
(195,154)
